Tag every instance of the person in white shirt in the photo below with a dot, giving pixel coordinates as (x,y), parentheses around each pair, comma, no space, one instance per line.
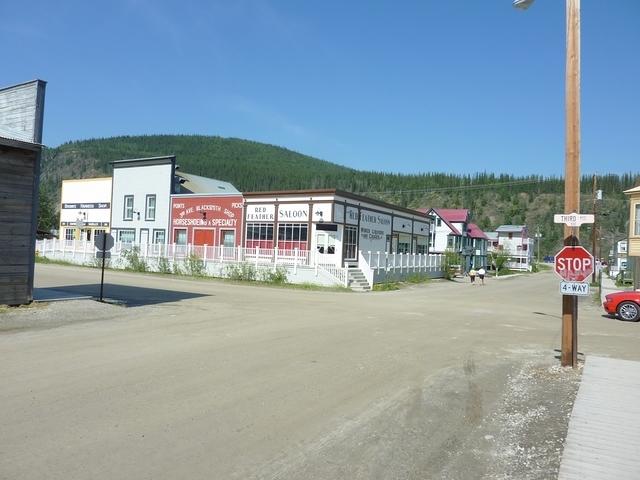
(481,273)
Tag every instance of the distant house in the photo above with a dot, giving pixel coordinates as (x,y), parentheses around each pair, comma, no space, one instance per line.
(515,242)
(454,232)
(479,243)
(619,260)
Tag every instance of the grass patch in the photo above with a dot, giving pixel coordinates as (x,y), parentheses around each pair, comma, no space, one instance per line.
(386,286)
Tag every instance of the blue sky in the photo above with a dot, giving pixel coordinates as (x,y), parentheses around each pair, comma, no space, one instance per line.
(415,86)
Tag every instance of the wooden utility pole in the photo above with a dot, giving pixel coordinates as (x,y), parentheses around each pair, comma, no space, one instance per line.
(569,355)
(594,229)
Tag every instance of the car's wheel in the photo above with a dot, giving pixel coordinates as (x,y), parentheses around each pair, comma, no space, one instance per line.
(629,311)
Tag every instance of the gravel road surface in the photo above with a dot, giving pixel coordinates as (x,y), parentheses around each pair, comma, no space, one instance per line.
(203,379)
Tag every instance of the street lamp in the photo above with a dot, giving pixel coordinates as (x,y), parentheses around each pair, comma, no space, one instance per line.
(538,236)
(572,166)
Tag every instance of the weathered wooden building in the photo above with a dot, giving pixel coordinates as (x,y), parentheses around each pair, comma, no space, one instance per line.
(21,114)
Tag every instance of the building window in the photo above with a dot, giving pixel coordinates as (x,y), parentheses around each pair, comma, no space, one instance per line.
(292,236)
(439,222)
(404,243)
(636,230)
(69,234)
(127,236)
(150,208)
(259,235)
(158,236)
(450,242)
(128,207)
(180,236)
(350,243)
(510,235)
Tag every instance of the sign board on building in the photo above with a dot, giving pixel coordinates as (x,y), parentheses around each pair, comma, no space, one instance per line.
(374,228)
(351,215)
(213,211)
(573,219)
(260,213)
(574,264)
(574,288)
(322,212)
(402,225)
(293,212)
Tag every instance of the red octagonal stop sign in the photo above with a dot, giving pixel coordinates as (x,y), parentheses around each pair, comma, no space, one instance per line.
(574,264)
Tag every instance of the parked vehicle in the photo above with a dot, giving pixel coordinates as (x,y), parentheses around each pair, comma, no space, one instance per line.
(624,304)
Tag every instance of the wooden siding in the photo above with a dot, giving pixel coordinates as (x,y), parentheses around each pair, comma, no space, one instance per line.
(18,201)
(21,111)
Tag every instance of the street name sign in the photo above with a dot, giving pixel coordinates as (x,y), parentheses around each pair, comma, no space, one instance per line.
(573,264)
(574,288)
(573,219)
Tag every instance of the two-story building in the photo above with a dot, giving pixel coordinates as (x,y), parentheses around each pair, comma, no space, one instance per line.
(514,241)
(141,203)
(453,232)
(85,208)
(634,232)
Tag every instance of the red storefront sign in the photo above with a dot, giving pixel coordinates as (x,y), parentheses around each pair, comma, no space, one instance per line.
(206,220)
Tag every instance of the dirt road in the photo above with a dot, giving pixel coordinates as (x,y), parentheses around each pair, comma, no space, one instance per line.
(204,379)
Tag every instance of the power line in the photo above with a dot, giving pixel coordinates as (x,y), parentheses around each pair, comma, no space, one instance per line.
(459,187)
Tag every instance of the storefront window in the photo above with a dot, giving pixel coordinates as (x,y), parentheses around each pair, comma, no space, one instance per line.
(292,236)
(636,230)
(259,235)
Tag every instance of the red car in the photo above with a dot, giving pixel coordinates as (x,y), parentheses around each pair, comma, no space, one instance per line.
(625,304)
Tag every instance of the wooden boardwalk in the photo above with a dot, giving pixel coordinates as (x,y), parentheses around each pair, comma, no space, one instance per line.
(603,441)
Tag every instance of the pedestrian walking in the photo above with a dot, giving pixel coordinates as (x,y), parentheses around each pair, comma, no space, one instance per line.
(481,273)
(472,275)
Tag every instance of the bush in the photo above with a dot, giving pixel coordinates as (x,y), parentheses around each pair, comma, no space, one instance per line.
(163,265)
(133,261)
(194,266)
(241,271)
(176,269)
(277,275)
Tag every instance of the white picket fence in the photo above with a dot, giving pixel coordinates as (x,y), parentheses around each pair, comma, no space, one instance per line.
(374,265)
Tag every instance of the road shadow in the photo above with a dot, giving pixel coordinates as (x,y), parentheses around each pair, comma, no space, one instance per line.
(128,296)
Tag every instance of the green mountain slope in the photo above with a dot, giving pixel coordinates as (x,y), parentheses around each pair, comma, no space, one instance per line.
(253,166)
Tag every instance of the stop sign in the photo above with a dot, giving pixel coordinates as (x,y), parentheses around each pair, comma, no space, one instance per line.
(574,264)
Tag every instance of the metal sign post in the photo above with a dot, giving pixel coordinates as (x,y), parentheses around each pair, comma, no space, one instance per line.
(103,242)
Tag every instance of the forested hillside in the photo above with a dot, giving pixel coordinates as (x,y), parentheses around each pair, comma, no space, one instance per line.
(252,166)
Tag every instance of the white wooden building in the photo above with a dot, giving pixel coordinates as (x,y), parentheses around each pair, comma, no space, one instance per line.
(85,208)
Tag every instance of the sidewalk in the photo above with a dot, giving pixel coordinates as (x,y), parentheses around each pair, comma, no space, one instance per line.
(603,441)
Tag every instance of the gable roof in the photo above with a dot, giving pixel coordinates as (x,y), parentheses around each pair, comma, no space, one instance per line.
(491,235)
(474,232)
(436,211)
(632,190)
(196,184)
(454,214)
